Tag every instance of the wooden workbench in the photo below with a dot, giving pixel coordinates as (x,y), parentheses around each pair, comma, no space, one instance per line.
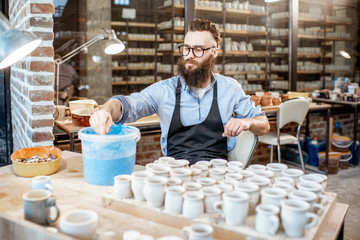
(72,192)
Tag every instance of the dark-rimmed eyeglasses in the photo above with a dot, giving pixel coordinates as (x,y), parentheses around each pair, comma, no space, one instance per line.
(197,51)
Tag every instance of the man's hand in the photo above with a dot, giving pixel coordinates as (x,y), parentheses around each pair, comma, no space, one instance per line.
(235,126)
(101,122)
(258,125)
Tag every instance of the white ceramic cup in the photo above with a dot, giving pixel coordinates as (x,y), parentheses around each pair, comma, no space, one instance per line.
(265,173)
(315,188)
(195,173)
(192,186)
(204,169)
(193,206)
(41,182)
(206,163)
(160,170)
(206,181)
(267,220)
(295,218)
(257,167)
(174,164)
(276,168)
(154,190)
(285,180)
(183,173)
(137,184)
(211,195)
(235,164)
(198,232)
(293,173)
(324,177)
(79,223)
(252,190)
(262,182)
(218,163)
(235,176)
(232,169)
(310,198)
(174,181)
(312,178)
(247,174)
(272,196)
(174,199)
(234,207)
(284,186)
(217,173)
(122,186)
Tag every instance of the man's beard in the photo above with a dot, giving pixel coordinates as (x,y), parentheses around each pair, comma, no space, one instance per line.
(198,76)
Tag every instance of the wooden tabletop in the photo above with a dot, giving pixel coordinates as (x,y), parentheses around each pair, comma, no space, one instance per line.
(354,104)
(71,192)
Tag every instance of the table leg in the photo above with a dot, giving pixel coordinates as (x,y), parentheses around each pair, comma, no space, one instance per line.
(355,133)
(72,139)
(327,140)
(307,133)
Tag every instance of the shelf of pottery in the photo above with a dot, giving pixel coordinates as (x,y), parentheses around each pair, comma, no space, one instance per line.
(138,60)
(171,192)
(321,34)
(236,47)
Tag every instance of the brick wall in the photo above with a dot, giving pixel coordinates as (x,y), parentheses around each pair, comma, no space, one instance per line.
(148,148)
(32,78)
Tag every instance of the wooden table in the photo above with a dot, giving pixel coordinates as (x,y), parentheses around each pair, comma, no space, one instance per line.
(72,130)
(72,192)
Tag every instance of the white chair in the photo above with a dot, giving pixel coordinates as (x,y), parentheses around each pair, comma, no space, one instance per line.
(293,110)
(243,150)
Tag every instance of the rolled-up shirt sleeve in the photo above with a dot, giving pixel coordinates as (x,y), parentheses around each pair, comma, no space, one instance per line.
(141,104)
(245,108)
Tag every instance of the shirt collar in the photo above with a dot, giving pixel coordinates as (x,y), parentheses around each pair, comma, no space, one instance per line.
(185,87)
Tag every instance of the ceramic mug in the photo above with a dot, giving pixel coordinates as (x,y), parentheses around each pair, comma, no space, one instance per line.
(235,164)
(41,182)
(295,218)
(154,190)
(267,220)
(234,207)
(137,184)
(253,191)
(218,163)
(79,223)
(272,196)
(253,167)
(217,173)
(293,173)
(211,195)
(193,206)
(183,173)
(174,199)
(262,182)
(308,197)
(37,206)
(276,168)
(198,232)
(122,186)
(315,188)
(204,169)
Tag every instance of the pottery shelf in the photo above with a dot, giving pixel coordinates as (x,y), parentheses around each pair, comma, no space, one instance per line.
(132,24)
(133,68)
(132,83)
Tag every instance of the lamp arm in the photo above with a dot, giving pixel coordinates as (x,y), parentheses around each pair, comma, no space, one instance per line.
(80,48)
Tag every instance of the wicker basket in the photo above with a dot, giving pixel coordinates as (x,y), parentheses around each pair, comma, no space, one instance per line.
(36,169)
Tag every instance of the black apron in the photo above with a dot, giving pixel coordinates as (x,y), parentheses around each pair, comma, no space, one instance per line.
(203,141)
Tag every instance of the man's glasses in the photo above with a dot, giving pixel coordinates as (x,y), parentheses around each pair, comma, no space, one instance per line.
(197,51)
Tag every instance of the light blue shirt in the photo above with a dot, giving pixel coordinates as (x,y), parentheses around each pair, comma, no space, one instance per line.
(159,98)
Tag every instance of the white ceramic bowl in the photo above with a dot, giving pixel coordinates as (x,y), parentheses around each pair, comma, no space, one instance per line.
(79,223)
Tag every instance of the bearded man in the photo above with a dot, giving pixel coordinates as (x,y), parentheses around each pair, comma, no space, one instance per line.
(200,112)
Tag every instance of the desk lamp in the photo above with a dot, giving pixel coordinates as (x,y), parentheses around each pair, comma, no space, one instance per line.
(15,44)
(112,46)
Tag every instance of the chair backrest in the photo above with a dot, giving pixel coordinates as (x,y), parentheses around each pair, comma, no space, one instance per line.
(243,150)
(293,110)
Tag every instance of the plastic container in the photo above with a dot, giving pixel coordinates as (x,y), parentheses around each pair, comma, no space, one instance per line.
(314,148)
(106,156)
(345,157)
(355,161)
(340,143)
(333,164)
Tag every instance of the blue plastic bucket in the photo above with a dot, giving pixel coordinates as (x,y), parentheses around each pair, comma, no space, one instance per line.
(106,156)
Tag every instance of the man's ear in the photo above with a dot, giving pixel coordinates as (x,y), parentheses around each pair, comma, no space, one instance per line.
(215,52)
